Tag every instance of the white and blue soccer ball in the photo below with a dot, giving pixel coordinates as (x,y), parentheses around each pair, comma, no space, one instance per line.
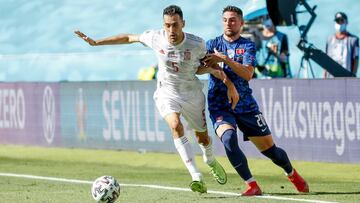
(105,189)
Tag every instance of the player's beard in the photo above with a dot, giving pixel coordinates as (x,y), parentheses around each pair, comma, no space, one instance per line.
(231,33)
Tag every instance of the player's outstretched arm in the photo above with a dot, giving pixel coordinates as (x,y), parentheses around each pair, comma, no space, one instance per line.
(118,39)
(216,71)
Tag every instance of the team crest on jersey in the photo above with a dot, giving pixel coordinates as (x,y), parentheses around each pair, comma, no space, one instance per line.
(230,53)
(240,51)
(187,55)
(172,55)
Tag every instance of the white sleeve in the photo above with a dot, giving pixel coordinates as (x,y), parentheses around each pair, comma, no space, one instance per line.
(202,50)
(146,38)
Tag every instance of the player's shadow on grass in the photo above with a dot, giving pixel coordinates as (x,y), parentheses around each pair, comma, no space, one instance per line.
(220,197)
(314,193)
(336,193)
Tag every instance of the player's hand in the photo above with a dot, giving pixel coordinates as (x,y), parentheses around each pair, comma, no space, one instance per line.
(212,59)
(233,95)
(85,38)
(217,71)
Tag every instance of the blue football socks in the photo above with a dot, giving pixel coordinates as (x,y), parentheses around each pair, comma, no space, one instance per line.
(279,157)
(235,155)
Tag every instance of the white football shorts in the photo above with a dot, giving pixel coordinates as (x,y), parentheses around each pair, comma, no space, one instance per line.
(191,106)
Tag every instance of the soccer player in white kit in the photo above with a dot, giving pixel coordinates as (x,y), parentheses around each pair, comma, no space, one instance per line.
(179,91)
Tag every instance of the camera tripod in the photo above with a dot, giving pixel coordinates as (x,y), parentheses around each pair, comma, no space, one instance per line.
(305,66)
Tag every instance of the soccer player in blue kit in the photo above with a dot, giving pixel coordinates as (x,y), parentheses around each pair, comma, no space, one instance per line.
(237,58)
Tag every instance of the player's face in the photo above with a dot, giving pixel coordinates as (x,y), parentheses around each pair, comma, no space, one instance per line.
(232,23)
(173,26)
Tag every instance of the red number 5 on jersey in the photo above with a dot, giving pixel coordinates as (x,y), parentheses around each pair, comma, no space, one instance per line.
(175,66)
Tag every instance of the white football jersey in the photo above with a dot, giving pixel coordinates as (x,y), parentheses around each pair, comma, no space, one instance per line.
(177,64)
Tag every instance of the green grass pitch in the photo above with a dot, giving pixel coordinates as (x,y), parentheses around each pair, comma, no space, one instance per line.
(329,182)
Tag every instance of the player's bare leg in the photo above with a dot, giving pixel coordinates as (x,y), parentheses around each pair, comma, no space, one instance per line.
(266,145)
(185,151)
(216,170)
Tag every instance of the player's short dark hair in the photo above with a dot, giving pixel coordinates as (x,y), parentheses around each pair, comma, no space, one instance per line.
(173,10)
(233,9)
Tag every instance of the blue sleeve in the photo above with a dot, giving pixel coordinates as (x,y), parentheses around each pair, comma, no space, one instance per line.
(210,46)
(250,54)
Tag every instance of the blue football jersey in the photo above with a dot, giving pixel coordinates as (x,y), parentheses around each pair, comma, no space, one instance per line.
(242,51)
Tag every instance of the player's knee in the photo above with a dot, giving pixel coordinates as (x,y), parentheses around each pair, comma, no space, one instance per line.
(229,139)
(222,128)
(176,126)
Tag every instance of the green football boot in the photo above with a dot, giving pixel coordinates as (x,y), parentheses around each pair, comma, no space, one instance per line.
(218,172)
(198,186)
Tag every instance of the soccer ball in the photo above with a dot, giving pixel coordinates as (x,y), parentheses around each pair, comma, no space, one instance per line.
(105,189)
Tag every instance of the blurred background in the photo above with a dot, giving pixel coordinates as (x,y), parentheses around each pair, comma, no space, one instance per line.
(37,42)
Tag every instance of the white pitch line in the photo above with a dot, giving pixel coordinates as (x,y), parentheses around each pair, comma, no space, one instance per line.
(156,187)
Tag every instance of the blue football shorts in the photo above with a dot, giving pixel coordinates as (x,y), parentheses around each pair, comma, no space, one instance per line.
(252,124)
